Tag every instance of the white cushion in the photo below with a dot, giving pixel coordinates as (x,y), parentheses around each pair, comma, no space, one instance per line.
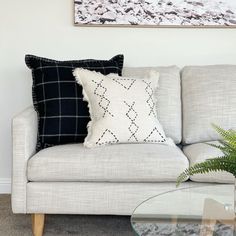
(122,109)
(114,163)
(168,97)
(209,96)
(200,152)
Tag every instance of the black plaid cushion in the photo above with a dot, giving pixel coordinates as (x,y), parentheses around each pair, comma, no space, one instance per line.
(62,113)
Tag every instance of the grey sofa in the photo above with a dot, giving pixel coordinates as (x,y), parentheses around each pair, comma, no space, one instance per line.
(70,179)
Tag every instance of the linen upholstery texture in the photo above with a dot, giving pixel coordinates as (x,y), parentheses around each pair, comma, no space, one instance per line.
(93,198)
(208,96)
(113,163)
(83,197)
(168,97)
(24,133)
(199,152)
(62,114)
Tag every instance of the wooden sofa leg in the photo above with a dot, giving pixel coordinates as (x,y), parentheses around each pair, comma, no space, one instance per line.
(38,224)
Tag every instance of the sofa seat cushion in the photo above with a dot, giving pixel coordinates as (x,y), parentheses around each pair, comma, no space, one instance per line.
(200,152)
(115,163)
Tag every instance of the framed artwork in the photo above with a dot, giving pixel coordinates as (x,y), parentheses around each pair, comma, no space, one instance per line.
(155,13)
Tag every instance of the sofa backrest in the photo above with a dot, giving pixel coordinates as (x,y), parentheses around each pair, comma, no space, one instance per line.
(168,97)
(208,96)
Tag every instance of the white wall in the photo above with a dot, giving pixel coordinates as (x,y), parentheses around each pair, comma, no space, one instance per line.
(46,28)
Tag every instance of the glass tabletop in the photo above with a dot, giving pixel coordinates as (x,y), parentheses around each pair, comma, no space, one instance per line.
(204,211)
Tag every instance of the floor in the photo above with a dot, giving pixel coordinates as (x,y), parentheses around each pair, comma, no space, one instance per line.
(81,225)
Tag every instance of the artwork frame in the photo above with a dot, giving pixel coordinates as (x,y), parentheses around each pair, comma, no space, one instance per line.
(97,24)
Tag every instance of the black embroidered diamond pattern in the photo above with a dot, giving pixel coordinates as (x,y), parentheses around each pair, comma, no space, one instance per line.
(152,137)
(107,135)
(150,100)
(104,102)
(132,115)
(125,83)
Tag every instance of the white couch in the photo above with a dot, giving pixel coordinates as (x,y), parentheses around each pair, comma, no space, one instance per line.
(70,179)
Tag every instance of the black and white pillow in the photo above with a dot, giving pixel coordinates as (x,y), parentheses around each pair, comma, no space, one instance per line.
(62,113)
(123,110)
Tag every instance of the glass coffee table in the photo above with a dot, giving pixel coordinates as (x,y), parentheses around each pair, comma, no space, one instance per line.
(204,211)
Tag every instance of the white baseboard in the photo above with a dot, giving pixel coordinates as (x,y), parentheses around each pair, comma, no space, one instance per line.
(5,185)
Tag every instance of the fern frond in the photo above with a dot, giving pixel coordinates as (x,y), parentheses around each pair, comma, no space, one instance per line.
(215,164)
(227,162)
(228,136)
(224,147)
(220,147)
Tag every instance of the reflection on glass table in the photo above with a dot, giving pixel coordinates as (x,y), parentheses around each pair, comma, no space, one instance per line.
(204,211)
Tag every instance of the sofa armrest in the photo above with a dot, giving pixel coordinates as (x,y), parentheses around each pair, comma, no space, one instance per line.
(24,133)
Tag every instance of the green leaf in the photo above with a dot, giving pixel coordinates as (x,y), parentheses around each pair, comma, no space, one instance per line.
(227,162)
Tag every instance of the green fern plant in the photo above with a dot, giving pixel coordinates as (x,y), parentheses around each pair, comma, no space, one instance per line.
(227,162)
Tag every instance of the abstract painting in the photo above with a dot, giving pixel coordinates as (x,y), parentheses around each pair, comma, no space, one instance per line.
(159,13)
